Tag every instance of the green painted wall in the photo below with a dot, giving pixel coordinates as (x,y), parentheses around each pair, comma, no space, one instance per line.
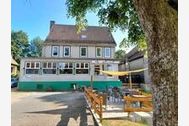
(64,85)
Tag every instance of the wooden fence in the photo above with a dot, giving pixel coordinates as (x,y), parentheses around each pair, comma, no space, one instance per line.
(138,104)
(95,100)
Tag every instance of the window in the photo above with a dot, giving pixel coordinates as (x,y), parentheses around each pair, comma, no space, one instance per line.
(109,68)
(98,52)
(49,68)
(83,51)
(66,51)
(82,68)
(77,65)
(28,65)
(97,69)
(32,67)
(107,52)
(83,36)
(82,65)
(55,50)
(37,65)
(65,68)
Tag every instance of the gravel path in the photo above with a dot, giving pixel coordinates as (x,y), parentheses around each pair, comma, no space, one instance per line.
(50,109)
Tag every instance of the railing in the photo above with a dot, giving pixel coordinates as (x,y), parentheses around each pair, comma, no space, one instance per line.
(138,104)
(134,85)
(95,101)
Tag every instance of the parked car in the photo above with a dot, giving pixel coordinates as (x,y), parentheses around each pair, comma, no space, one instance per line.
(14,82)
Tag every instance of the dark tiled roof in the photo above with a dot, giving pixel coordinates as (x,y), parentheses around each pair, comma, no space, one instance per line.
(68,33)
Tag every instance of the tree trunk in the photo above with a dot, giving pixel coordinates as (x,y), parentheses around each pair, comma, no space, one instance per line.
(159,22)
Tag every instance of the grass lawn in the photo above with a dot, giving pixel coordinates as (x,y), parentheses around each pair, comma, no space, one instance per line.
(122,123)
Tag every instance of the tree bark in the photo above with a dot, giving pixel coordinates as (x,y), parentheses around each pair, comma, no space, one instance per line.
(160,24)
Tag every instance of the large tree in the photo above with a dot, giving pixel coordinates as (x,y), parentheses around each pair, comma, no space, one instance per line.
(151,21)
(36,47)
(119,54)
(19,44)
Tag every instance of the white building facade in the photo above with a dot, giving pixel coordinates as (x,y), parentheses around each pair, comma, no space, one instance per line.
(70,58)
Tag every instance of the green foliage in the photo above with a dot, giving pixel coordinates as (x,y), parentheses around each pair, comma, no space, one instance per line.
(119,54)
(36,47)
(19,44)
(116,14)
(142,45)
(15,75)
(79,8)
(125,44)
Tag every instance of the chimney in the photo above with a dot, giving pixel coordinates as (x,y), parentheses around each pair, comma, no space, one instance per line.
(51,24)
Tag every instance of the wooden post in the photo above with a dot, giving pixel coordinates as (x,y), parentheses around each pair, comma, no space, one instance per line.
(92,77)
(130,81)
(101,100)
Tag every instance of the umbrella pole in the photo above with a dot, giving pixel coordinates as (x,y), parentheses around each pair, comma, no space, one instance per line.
(130,81)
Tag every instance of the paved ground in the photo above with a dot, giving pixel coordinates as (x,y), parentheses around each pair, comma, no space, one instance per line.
(49,109)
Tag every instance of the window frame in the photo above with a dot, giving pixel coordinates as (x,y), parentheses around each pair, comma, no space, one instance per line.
(72,68)
(64,51)
(105,52)
(47,67)
(83,36)
(80,50)
(76,68)
(97,51)
(34,68)
(58,50)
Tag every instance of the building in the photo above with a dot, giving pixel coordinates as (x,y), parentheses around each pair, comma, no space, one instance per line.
(71,59)
(14,66)
(135,59)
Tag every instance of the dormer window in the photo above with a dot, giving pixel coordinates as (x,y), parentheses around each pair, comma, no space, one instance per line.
(55,51)
(83,36)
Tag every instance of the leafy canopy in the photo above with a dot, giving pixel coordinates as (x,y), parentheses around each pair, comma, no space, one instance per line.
(36,47)
(19,44)
(116,14)
(120,54)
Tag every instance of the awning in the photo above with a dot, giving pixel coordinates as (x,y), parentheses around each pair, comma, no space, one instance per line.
(122,73)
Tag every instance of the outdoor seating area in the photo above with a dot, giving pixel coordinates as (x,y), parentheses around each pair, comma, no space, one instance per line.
(118,102)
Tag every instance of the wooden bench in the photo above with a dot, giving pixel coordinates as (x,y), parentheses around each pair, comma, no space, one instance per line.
(144,104)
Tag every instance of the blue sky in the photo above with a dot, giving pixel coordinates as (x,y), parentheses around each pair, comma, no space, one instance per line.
(33,17)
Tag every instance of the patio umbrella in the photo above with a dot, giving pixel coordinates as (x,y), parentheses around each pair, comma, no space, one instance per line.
(123,73)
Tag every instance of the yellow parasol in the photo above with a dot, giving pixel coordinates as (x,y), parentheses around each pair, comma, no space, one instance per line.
(123,73)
